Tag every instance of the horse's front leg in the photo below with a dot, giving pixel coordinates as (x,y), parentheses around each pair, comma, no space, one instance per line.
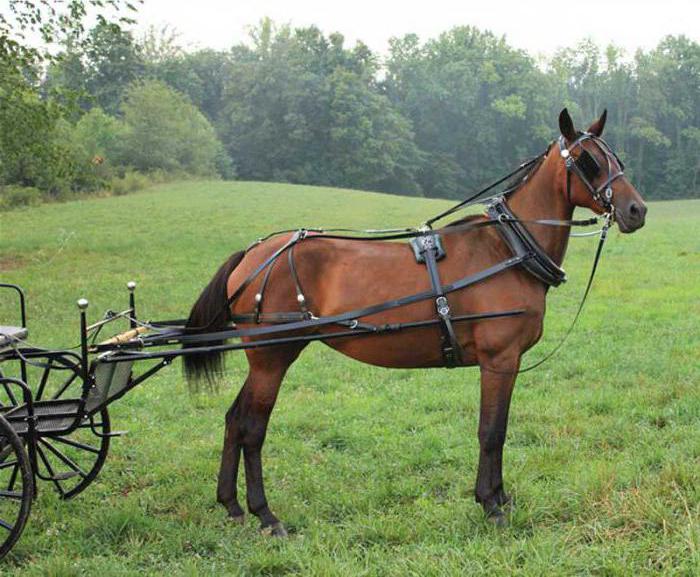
(498,375)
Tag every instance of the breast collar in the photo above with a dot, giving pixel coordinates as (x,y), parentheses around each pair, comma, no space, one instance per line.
(521,242)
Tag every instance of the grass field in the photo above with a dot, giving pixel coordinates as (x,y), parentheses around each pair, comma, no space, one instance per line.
(372,470)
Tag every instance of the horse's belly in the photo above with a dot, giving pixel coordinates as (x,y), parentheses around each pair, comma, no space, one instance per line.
(406,349)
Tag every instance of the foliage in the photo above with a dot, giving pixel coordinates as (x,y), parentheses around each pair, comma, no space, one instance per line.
(436,117)
(53,21)
(165,131)
(101,135)
(37,148)
(130,182)
(13,196)
(301,107)
(475,103)
(36,145)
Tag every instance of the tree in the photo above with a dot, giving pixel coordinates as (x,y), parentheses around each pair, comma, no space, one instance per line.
(370,144)
(475,105)
(165,131)
(301,107)
(52,21)
(101,135)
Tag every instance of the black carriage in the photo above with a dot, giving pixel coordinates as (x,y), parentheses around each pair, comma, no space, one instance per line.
(54,417)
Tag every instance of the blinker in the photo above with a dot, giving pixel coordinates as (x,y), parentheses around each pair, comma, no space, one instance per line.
(588,165)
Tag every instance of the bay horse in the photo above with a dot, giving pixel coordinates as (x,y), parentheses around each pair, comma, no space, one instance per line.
(338,275)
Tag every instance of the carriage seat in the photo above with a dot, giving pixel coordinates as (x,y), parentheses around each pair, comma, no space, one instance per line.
(9,334)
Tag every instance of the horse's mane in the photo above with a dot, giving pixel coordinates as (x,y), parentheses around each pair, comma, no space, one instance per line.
(514,184)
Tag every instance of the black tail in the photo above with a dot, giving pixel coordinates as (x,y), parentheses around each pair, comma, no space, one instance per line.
(210,313)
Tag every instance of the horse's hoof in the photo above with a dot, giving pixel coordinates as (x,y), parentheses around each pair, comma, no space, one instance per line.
(274,530)
(498,519)
(237,519)
(505,500)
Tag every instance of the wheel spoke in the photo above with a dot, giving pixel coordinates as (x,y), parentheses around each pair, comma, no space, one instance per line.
(6,525)
(13,478)
(76,444)
(66,460)
(10,394)
(7,464)
(11,495)
(49,468)
(65,386)
(44,380)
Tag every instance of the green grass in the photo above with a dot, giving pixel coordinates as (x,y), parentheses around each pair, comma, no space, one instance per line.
(373,469)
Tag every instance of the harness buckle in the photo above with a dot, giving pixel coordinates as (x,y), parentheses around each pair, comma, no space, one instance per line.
(443,308)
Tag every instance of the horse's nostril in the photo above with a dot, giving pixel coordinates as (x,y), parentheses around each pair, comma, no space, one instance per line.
(636,211)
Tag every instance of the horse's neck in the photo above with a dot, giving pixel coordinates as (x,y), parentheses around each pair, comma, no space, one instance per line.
(541,198)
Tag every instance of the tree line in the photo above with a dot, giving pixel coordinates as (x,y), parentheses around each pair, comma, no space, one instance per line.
(436,118)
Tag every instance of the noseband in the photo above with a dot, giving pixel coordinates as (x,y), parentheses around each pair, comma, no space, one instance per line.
(587,168)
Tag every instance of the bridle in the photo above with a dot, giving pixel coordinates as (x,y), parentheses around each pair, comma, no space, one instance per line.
(587,168)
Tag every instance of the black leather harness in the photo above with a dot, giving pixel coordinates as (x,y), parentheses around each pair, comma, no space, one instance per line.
(521,242)
(532,257)
(427,248)
(430,248)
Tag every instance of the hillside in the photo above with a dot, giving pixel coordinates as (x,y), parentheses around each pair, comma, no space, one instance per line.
(372,469)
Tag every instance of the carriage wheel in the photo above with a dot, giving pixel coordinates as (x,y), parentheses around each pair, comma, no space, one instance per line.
(75,460)
(16,487)
(72,461)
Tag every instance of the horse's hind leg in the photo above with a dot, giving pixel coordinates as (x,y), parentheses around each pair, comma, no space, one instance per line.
(246,428)
(227,492)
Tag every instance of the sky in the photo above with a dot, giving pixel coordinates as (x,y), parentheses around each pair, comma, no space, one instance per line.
(538,26)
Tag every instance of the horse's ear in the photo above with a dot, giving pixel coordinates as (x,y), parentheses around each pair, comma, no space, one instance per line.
(566,125)
(596,129)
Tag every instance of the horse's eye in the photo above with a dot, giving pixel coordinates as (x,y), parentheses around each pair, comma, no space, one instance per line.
(588,165)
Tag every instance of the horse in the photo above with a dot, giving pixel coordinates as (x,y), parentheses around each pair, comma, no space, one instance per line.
(338,275)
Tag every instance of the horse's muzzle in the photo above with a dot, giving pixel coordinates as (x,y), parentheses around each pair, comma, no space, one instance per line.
(631,217)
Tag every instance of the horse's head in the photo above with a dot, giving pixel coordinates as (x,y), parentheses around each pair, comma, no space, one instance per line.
(595,175)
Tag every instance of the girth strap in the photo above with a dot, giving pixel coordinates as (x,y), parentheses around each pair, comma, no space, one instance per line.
(451,350)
